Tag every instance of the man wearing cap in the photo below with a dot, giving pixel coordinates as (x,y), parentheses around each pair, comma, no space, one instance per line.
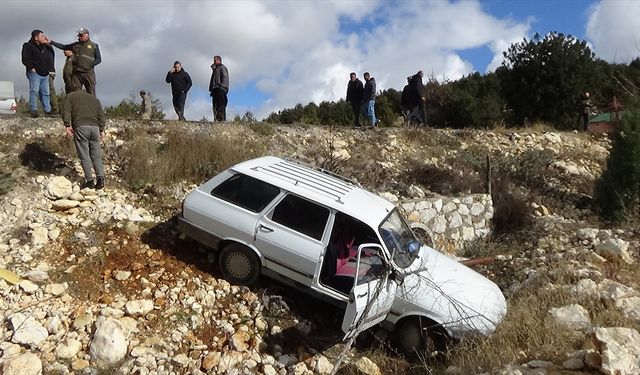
(180,84)
(86,56)
(37,58)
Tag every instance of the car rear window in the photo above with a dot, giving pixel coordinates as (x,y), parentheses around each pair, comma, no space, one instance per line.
(246,192)
(301,215)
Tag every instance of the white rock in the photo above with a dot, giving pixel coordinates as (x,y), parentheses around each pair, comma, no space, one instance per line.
(585,289)
(476,209)
(24,364)
(37,276)
(573,364)
(27,330)
(613,290)
(422,205)
(573,317)
(323,366)
(59,187)
(587,234)
(109,344)
(56,289)
(449,207)
(138,307)
(388,196)
(630,306)
(122,275)
(367,367)
(269,370)
(40,236)
(28,286)
(68,349)
(427,215)
(181,359)
(54,233)
(416,192)
(439,225)
(468,234)
(437,204)
(299,368)
(64,204)
(614,249)
(620,349)
(455,221)
(463,210)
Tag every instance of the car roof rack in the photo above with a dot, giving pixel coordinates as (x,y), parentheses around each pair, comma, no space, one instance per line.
(325,171)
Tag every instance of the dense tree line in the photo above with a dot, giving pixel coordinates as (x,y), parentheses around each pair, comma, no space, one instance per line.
(541,79)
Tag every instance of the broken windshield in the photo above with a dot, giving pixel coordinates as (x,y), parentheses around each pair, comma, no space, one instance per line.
(399,239)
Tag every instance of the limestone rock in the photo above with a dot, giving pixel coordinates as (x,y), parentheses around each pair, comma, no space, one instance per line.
(323,366)
(40,236)
(59,187)
(573,317)
(27,330)
(239,341)
(23,364)
(68,349)
(121,275)
(28,286)
(109,344)
(64,204)
(613,290)
(211,360)
(620,349)
(630,306)
(138,307)
(416,192)
(388,196)
(56,289)
(367,367)
(615,249)
(37,276)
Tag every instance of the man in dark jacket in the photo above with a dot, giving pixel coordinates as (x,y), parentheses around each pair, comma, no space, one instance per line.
(354,96)
(86,56)
(219,88)
(37,57)
(418,98)
(180,84)
(585,111)
(369,99)
(84,121)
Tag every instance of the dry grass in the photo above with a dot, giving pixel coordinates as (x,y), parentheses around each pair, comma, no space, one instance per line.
(183,156)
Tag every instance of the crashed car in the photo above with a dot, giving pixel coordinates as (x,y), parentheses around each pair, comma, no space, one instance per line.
(323,234)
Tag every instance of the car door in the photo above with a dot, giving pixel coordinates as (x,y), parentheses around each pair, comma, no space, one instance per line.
(373,294)
(290,237)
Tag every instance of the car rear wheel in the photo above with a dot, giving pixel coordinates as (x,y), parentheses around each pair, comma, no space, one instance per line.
(419,337)
(239,264)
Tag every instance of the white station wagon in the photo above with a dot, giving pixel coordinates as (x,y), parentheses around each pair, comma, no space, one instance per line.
(324,235)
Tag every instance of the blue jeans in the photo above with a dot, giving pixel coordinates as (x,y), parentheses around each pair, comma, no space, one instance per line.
(369,108)
(38,85)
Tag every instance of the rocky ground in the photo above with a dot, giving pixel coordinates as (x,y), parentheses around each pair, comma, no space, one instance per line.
(108,285)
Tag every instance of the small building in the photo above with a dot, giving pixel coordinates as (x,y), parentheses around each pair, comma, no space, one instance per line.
(604,122)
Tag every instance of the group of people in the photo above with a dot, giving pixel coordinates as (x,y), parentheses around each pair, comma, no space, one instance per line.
(38,57)
(218,88)
(362,98)
(82,112)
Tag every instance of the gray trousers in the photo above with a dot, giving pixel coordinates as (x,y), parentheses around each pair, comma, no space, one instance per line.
(87,140)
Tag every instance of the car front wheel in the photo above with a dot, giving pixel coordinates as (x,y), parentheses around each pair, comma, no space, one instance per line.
(239,264)
(418,337)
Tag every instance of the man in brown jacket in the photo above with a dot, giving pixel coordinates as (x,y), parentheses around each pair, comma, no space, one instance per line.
(84,121)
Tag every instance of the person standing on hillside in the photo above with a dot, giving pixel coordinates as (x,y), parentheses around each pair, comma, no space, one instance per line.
(219,88)
(585,111)
(67,71)
(354,97)
(87,56)
(145,109)
(369,99)
(84,121)
(180,84)
(419,98)
(37,57)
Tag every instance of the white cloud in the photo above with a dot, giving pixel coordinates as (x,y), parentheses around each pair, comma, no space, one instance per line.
(292,51)
(614,30)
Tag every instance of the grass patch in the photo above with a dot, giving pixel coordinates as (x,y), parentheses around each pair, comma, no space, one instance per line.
(7,182)
(183,156)
(262,128)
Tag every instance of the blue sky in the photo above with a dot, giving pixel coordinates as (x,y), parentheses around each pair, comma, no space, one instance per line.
(283,52)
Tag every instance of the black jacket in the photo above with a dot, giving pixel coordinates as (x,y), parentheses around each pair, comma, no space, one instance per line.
(369,90)
(180,82)
(354,91)
(417,88)
(38,57)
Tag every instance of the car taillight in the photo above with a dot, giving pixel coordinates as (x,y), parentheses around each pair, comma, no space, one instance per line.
(14,107)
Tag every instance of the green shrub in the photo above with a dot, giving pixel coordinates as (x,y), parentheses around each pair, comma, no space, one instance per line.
(618,190)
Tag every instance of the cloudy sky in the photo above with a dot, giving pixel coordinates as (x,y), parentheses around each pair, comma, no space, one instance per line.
(282,52)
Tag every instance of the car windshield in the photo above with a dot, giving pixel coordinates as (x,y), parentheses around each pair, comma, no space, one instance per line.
(399,239)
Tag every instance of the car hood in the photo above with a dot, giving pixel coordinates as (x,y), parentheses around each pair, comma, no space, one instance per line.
(451,293)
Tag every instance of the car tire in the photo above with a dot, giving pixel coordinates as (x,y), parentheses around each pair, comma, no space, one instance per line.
(415,338)
(239,264)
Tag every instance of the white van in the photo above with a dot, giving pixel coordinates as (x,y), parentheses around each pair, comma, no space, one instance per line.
(324,235)
(8,104)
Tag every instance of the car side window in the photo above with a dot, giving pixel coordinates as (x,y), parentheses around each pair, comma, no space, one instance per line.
(302,216)
(246,192)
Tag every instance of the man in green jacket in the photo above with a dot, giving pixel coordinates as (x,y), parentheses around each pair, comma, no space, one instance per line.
(84,121)
(86,56)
